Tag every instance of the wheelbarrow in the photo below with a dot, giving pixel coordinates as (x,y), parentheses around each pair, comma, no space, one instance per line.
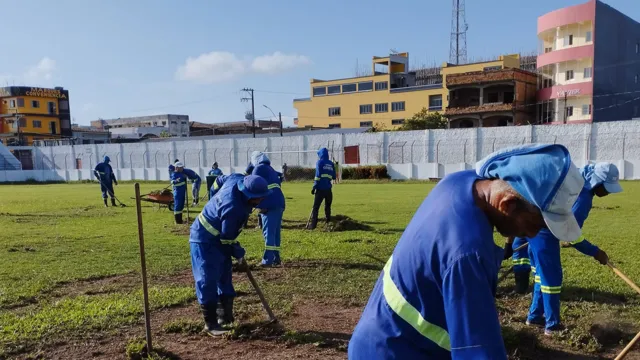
(162,197)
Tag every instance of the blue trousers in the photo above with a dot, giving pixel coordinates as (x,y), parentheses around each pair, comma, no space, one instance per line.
(520,258)
(271,226)
(211,269)
(545,259)
(179,195)
(107,189)
(195,191)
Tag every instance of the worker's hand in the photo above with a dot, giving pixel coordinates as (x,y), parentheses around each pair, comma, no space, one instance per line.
(313,191)
(602,257)
(115,182)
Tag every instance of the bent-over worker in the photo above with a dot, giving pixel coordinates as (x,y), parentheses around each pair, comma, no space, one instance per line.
(179,181)
(105,175)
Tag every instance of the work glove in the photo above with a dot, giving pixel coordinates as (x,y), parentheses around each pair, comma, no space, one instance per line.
(313,191)
(602,257)
(115,182)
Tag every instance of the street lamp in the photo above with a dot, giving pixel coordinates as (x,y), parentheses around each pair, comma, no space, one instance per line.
(279,117)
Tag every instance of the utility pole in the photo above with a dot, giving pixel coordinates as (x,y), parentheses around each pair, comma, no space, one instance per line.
(280,118)
(565,108)
(459,27)
(253,109)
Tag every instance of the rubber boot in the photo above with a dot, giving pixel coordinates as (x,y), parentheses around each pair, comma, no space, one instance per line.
(211,326)
(522,282)
(225,311)
(178,218)
(105,203)
(113,202)
(314,221)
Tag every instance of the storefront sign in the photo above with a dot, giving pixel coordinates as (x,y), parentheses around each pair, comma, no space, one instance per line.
(572,92)
(41,92)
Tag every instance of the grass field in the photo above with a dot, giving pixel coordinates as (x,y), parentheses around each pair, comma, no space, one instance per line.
(69,274)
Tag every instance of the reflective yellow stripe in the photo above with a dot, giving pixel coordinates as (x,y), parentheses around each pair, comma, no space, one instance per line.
(326,176)
(177,212)
(228,242)
(537,278)
(523,261)
(551,289)
(245,173)
(215,185)
(179,184)
(100,172)
(316,179)
(207,226)
(276,248)
(581,239)
(533,268)
(411,315)
(273,186)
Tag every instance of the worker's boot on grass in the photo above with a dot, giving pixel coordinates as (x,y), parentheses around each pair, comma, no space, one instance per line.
(105,203)
(113,202)
(178,218)
(313,223)
(535,322)
(522,282)
(211,326)
(225,311)
(554,330)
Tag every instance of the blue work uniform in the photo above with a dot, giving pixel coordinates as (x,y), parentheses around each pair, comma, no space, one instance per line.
(520,258)
(215,172)
(325,173)
(179,182)
(544,253)
(274,205)
(196,182)
(249,169)
(171,170)
(435,296)
(106,177)
(213,241)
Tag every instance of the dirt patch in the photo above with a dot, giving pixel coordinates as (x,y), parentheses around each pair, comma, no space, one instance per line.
(345,223)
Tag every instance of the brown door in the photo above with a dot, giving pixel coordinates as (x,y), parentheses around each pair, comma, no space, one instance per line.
(352,154)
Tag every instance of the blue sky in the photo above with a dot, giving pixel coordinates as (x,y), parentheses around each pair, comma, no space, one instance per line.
(126,58)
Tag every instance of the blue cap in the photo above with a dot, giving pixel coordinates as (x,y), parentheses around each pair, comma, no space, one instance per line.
(545,176)
(106,159)
(604,173)
(254,186)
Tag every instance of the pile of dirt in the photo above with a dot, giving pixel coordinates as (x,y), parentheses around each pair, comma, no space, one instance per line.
(345,223)
(256,331)
(610,332)
(163,192)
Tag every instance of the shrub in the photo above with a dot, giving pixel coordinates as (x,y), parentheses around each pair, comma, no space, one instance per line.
(365,173)
(299,173)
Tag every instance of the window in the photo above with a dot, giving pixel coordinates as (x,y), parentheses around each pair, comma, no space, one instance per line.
(23,123)
(184,123)
(20,102)
(587,36)
(51,106)
(64,104)
(382,85)
(381,108)
(586,109)
(334,126)
(35,104)
(588,72)
(366,109)
(568,75)
(365,86)
(492,97)
(548,50)
(569,40)
(164,123)
(52,128)
(347,88)
(492,68)
(435,102)
(335,89)
(508,97)
(569,111)
(12,103)
(319,91)
(37,124)
(397,122)
(173,122)
(397,106)
(334,111)
(366,123)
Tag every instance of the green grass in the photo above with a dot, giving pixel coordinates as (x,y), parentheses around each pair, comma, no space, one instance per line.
(55,236)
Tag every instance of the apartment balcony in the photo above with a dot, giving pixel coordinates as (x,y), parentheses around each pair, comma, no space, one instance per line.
(480,109)
(487,77)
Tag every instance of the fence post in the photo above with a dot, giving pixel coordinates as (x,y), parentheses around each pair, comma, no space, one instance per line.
(493,146)
(144,159)
(464,152)
(118,160)
(402,152)
(438,151)
(199,153)
(130,161)
(65,162)
(624,138)
(155,158)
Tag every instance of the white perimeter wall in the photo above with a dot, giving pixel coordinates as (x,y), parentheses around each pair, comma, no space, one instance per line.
(408,155)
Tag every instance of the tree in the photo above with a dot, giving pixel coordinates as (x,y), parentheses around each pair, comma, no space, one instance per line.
(165,134)
(424,119)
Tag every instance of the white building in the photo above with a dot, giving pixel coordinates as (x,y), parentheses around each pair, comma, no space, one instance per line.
(175,125)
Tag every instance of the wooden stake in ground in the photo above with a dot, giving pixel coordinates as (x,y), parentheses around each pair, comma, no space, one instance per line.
(143,266)
(627,348)
(635,287)
(187,202)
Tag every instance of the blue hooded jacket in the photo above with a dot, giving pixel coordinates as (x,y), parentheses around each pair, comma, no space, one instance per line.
(325,171)
(104,172)
(263,168)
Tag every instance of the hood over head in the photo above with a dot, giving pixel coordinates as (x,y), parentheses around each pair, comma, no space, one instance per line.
(323,154)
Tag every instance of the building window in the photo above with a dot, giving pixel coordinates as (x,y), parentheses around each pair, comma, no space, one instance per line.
(319,91)
(37,124)
(548,50)
(334,111)
(569,111)
(586,109)
(334,126)
(64,104)
(568,41)
(382,85)
(51,106)
(347,88)
(435,102)
(12,103)
(366,123)
(492,98)
(20,102)
(397,122)
(173,122)
(508,97)
(365,86)
(332,90)
(587,36)
(588,73)
(35,104)
(382,108)
(366,109)
(568,75)
(23,123)
(492,68)
(397,106)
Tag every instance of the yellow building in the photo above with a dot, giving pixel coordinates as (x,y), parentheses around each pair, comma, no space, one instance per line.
(28,114)
(388,97)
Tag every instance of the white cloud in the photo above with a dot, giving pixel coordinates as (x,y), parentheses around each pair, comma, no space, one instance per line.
(278,62)
(213,67)
(221,66)
(43,70)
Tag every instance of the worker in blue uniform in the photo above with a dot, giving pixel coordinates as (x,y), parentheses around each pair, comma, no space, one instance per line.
(435,296)
(325,173)
(601,180)
(213,243)
(171,170)
(105,175)
(271,208)
(196,181)
(215,170)
(179,181)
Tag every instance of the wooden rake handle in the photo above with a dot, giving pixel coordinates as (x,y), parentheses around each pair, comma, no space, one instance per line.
(627,348)
(635,287)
